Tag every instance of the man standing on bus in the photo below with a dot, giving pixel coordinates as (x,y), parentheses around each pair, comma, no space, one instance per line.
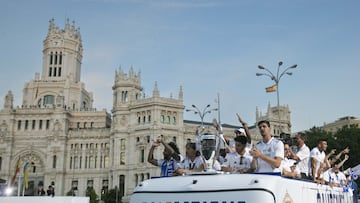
(268,153)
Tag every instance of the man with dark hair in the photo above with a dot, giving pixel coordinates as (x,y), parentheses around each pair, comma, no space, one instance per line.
(318,161)
(269,152)
(171,157)
(302,155)
(238,161)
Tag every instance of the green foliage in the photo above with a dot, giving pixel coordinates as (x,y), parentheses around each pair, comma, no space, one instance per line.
(70,193)
(90,192)
(345,137)
(110,196)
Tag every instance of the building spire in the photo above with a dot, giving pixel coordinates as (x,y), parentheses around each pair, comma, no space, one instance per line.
(181,94)
(67,25)
(156,92)
(9,100)
(51,25)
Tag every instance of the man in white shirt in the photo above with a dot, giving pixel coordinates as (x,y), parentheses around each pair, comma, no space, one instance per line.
(317,161)
(192,162)
(269,152)
(334,177)
(302,155)
(240,160)
(288,165)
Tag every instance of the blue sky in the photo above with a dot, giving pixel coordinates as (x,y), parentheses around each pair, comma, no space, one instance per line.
(205,46)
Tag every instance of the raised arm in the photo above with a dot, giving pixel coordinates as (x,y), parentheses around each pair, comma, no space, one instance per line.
(217,126)
(174,154)
(327,163)
(246,128)
(151,154)
(339,165)
(337,157)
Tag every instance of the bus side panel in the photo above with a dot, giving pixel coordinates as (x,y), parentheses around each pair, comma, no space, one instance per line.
(244,196)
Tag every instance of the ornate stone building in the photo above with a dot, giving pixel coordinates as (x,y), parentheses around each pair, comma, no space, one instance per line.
(279,124)
(71,145)
(347,121)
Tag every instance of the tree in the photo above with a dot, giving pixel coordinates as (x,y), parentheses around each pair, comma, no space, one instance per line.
(90,192)
(110,196)
(70,193)
(345,137)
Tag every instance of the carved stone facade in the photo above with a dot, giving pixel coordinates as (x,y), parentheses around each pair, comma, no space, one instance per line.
(347,121)
(279,118)
(73,146)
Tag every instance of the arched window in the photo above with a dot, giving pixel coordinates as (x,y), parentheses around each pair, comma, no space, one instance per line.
(48,99)
(26,124)
(142,155)
(124,96)
(122,185)
(76,162)
(95,160)
(54,161)
(51,58)
(55,58)
(60,59)
(91,162)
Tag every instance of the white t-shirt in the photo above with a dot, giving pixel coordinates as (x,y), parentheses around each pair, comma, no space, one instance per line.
(286,165)
(331,177)
(304,156)
(233,159)
(189,165)
(232,146)
(319,157)
(273,148)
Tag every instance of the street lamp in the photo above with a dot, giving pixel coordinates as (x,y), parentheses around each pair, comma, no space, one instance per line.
(202,113)
(218,108)
(276,78)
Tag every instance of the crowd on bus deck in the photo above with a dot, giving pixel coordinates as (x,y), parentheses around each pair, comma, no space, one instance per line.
(267,156)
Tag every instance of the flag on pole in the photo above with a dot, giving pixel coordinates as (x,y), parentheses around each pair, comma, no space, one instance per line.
(26,175)
(272,88)
(17,170)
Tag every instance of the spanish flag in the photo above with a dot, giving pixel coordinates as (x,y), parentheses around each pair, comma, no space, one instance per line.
(17,170)
(271,88)
(26,175)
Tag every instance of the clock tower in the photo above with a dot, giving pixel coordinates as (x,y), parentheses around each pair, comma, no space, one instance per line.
(62,53)
(59,84)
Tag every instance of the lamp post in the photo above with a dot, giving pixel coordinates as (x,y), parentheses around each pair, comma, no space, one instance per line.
(218,108)
(276,78)
(202,113)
